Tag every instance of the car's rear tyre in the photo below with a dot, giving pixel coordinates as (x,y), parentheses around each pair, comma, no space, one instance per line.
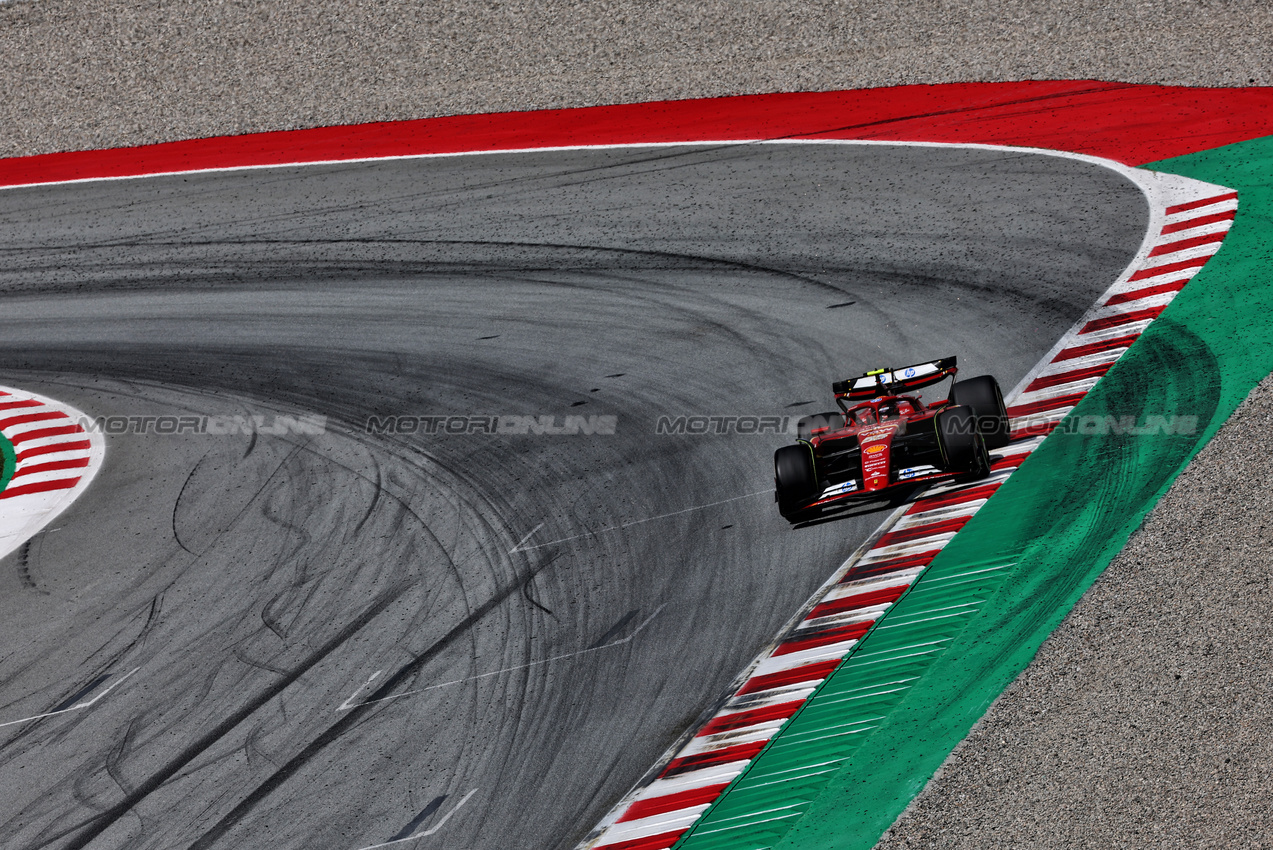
(806,425)
(982,395)
(795,479)
(962,445)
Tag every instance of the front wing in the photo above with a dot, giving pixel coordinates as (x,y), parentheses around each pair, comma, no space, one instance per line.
(851,490)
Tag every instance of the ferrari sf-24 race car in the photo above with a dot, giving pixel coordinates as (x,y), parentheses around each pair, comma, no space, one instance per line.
(884,440)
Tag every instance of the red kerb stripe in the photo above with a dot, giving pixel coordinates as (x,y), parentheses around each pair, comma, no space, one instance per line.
(1034,429)
(1010,462)
(917,532)
(654,842)
(876,568)
(39,487)
(46,432)
(958,497)
(52,466)
(1044,381)
(1043,405)
(42,416)
(742,719)
(1127,318)
(672,802)
(26,402)
(1200,221)
(738,752)
(1205,202)
(883,596)
(1095,347)
(1147,292)
(853,631)
(1168,268)
(75,445)
(1186,244)
(803,673)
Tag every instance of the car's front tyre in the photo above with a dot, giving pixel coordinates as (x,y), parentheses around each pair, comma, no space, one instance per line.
(962,447)
(795,479)
(983,397)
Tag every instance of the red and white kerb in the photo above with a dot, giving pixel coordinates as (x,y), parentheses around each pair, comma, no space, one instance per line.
(656,814)
(55,458)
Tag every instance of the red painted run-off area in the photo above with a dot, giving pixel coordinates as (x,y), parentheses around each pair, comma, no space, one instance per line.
(1131,124)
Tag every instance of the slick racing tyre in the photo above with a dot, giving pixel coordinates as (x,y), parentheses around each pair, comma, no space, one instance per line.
(961,443)
(982,396)
(806,425)
(795,478)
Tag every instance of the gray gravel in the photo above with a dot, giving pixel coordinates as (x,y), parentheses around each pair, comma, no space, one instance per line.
(92,73)
(1144,719)
(1141,723)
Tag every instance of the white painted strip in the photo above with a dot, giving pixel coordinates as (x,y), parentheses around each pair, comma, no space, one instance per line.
(792,660)
(1184,275)
(1105,334)
(28,417)
(647,827)
(948,488)
(1198,251)
(50,457)
(44,481)
(892,578)
(1162,273)
(1058,391)
(1086,361)
(56,440)
(848,618)
(731,713)
(1128,329)
(714,774)
(33,472)
(430,831)
(1221,226)
(1160,299)
(1139,299)
(761,731)
(523,547)
(1167,184)
(351,701)
(867,585)
(930,542)
(18,510)
(940,514)
(1199,212)
(50,419)
(78,706)
(769,696)
(907,549)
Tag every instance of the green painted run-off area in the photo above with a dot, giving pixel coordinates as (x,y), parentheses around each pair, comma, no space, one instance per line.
(841,771)
(8,461)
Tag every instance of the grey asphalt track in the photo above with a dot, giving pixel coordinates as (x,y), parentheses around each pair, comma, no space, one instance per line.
(257,583)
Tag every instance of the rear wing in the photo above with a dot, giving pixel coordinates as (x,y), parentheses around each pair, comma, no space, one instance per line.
(894,381)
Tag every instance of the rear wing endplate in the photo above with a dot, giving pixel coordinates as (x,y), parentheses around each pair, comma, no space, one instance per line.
(894,381)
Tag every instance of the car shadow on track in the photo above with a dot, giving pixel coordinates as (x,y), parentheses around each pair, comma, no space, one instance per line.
(859,509)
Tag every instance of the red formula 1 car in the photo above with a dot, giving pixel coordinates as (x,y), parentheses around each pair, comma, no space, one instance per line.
(884,439)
